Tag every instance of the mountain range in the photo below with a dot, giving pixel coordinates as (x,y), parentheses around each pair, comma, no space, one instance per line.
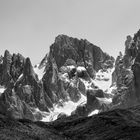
(63,96)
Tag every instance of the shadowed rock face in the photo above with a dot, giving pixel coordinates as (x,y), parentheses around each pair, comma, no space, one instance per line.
(17,66)
(136,66)
(28,70)
(126,75)
(136,71)
(92,56)
(29,89)
(6,77)
(93,103)
(11,68)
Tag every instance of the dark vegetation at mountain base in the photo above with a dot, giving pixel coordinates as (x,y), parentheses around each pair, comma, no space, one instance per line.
(118,124)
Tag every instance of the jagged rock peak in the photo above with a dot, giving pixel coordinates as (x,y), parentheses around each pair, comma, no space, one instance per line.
(80,50)
(6,52)
(61,37)
(28,68)
(65,39)
(7,55)
(136,35)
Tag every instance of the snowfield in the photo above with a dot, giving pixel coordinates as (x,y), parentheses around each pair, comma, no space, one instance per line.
(67,108)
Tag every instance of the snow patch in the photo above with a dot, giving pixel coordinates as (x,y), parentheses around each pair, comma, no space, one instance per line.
(88,84)
(111,90)
(27,86)
(20,77)
(80,68)
(39,72)
(105,100)
(96,111)
(70,67)
(2,89)
(64,77)
(104,79)
(67,108)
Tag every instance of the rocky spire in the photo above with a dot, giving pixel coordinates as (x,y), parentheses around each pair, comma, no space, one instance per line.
(28,71)
(6,77)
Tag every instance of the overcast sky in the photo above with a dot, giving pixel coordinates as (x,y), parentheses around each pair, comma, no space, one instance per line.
(30,26)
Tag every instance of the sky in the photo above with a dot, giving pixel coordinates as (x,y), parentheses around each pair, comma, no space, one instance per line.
(30,26)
